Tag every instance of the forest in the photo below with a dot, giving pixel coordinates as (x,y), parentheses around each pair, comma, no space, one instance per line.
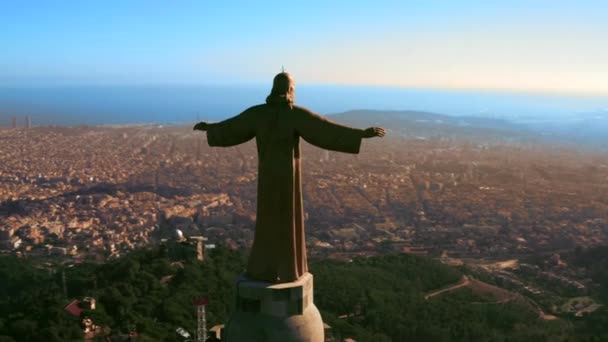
(378,298)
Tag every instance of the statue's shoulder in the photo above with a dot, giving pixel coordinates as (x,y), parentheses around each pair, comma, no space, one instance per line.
(254,111)
(272,108)
(256,108)
(301,109)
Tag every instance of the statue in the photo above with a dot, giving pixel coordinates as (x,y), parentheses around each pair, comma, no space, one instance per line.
(278,254)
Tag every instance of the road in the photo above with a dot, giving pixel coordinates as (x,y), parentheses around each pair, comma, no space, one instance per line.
(464,281)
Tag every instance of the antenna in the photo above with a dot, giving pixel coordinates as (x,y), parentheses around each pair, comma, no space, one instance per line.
(201,319)
(65,286)
(198,141)
(64,281)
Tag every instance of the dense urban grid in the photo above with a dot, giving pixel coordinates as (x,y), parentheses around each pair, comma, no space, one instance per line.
(76,193)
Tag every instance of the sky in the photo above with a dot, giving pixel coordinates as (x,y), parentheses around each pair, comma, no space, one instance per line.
(542,46)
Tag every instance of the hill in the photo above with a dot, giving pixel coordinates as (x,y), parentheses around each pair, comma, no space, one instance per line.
(429,125)
(370,299)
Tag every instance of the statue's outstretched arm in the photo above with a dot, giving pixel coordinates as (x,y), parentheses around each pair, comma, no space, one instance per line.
(201,126)
(230,132)
(324,133)
(374,132)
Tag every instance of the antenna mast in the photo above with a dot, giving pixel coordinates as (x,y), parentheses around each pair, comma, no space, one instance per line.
(65,285)
(198,141)
(201,319)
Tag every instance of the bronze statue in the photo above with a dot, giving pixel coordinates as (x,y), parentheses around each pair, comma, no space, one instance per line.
(279,252)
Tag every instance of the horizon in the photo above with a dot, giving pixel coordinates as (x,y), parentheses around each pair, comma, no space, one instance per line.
(151,62)
(122,104)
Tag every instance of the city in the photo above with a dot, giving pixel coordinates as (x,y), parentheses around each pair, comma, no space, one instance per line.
(96,193)
(96,190)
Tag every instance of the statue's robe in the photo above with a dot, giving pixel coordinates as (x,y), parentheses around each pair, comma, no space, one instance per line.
(278,253)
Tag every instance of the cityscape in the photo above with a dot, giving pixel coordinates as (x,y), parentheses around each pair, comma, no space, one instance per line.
(470,202)
(96,189)
(83,193)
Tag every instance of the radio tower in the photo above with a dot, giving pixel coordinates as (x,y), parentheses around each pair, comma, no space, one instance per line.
(64,283)
(201,319)
(198,142)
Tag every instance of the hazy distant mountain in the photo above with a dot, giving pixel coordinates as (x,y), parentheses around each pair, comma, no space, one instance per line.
(586,128)
(426,125)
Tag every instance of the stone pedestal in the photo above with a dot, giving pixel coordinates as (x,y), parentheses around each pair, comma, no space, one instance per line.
(267,312)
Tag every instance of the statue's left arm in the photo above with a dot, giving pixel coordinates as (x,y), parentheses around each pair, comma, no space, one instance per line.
(327,134)
(233,131)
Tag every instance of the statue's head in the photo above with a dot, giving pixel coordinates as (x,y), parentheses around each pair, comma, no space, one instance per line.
(283,89)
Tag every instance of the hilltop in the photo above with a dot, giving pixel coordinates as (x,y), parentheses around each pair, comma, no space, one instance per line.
(370,299)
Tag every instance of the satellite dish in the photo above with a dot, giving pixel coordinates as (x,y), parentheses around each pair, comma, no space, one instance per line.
(179,235)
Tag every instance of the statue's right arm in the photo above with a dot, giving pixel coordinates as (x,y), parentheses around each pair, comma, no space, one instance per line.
(232,131)
(201,126)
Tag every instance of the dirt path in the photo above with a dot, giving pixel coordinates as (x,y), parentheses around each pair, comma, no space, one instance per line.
(464,281)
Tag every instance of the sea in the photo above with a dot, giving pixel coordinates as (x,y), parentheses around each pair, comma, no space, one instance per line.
(183,104)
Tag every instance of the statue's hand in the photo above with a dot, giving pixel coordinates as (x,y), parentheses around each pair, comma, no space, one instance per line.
(201,126)
(374,132)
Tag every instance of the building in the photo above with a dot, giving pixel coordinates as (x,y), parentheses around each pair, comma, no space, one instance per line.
(61,251)
(6,233)
(12,243)
(28,122)
(76,307)
(13,122)
(73,308)
(199,242)
(88,303)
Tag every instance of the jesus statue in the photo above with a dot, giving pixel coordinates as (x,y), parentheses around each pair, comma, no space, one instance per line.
(278,254)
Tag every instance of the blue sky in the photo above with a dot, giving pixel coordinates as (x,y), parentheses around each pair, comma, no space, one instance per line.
(556,46)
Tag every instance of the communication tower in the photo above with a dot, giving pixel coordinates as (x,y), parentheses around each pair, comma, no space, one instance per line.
(198,142)
(201,319)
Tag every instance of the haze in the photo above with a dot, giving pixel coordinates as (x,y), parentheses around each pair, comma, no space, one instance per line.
(152,61)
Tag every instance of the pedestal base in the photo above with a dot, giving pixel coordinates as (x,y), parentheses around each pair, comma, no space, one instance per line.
(267,312)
